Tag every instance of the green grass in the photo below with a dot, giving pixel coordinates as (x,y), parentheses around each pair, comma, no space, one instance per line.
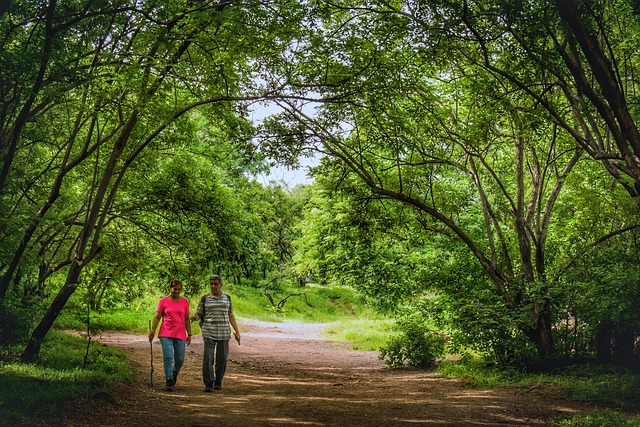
(605,386)
(38,390)
(361,334)
(597,419)
(132,317)
(313,304)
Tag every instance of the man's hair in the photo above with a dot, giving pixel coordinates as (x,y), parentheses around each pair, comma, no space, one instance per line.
(215,277)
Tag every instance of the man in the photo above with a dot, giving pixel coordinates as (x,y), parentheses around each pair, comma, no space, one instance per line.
(216,311)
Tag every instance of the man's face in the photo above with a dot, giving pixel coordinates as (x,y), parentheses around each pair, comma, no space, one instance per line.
(216,286)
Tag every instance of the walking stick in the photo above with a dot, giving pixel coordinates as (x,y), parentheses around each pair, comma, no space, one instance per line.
(151,346)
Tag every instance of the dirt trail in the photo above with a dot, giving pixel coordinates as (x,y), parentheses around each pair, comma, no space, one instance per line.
(283,374)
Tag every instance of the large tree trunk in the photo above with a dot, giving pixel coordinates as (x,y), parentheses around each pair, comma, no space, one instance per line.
(32,349)
(541,333)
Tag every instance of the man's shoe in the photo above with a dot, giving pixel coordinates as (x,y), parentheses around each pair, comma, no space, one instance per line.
(217,387)
(169,385)
(175,379)
(208,389)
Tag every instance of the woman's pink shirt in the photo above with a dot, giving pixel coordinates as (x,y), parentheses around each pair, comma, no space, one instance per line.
(174,316)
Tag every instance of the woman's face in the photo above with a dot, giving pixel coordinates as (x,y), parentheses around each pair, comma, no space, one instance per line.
(175,290)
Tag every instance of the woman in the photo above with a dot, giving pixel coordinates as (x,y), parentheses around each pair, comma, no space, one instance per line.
(174,331)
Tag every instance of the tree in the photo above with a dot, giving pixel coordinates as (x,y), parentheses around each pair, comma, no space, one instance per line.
(90,88)
(134,85)
(436,107)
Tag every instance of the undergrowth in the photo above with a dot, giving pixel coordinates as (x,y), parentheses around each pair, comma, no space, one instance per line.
(39,390)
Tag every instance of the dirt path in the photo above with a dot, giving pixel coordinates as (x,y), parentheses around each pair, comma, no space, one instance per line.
(284,375)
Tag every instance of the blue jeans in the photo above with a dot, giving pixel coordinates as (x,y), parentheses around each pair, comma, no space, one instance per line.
(173,356)
(214,361)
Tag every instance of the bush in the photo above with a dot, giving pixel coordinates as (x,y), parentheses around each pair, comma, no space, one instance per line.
(16,320)
(417,345)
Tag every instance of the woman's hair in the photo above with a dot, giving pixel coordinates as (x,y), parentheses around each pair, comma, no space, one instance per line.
(175,282)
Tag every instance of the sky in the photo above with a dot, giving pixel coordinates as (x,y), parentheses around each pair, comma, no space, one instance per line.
(282,173)
(288,176)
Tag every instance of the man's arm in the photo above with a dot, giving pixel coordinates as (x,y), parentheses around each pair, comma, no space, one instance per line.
(199,310)
(236,330)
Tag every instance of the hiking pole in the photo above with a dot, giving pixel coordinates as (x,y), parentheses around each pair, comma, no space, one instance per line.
(151,346)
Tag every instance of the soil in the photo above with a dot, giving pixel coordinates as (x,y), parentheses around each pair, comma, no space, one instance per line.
(284,374)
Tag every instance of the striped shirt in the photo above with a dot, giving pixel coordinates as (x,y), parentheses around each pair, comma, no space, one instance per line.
(216,316)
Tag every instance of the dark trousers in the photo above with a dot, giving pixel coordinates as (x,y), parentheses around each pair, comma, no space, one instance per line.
(214,361)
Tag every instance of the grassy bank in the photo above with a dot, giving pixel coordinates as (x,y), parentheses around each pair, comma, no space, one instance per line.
(603,386)
(61,376)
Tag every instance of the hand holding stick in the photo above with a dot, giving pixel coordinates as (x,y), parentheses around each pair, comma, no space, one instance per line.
(151,346)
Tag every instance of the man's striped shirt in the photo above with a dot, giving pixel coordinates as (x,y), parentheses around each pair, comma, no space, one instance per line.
(216,316)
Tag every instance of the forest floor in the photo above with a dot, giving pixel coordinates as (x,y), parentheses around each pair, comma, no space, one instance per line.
(284,374)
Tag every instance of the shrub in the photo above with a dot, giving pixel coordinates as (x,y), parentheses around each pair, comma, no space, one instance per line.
(417,345)
(16,320)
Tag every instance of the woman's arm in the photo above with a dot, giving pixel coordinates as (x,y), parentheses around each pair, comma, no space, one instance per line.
(154,325)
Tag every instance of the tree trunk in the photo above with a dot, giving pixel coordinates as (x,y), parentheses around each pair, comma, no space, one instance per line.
(32,350)
(603,342)
(15,260)
(541,334)
(622,348)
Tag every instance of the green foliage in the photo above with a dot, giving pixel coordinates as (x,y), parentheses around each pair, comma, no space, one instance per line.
(17,319)
(40,390)
(349,238)
(417,345)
